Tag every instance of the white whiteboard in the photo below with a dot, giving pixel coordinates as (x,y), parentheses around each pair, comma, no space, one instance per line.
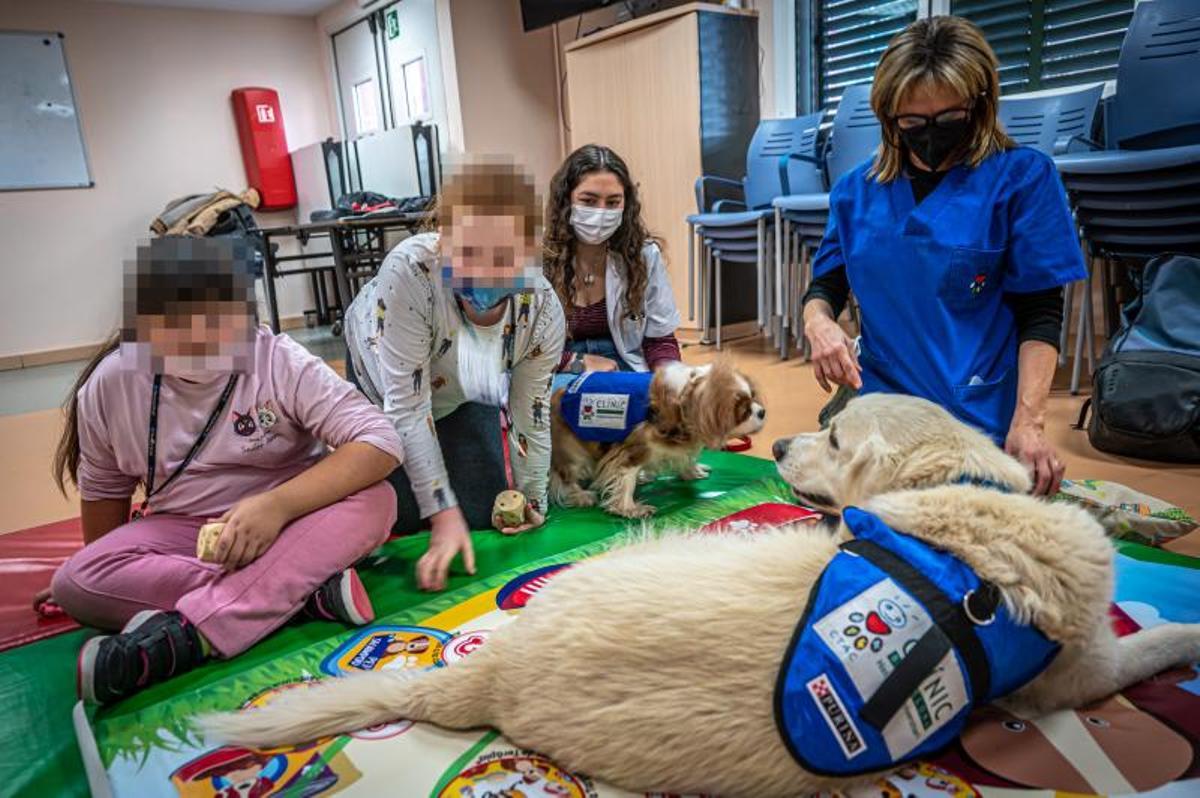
(41,143)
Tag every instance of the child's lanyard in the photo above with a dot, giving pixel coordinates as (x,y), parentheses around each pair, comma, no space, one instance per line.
(152,443)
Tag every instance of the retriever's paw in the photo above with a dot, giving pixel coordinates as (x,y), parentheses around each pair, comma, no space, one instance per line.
(695,471)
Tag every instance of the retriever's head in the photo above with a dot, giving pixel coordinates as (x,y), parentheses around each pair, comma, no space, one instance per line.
(886,442)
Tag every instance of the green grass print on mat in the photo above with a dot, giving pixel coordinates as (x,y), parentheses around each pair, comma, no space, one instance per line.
(40,756)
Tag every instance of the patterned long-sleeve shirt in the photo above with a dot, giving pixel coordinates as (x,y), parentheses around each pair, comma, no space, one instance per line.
(420,358)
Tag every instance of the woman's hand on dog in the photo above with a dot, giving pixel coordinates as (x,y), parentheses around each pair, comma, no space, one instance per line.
(448,537)
(833,357)
(533,519)
(1027,442)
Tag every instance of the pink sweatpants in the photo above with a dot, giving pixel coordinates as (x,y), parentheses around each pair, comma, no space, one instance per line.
(151,564)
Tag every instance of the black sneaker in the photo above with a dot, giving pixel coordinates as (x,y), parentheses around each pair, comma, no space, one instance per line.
(343,598)
(152,647)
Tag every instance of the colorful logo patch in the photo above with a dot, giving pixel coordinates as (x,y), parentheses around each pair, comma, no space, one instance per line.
(603,410)
(516,774)
(978,284)
(379,648)
(516,594)
(834,711)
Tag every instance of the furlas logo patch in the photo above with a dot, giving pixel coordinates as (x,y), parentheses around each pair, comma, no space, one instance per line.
(834,712)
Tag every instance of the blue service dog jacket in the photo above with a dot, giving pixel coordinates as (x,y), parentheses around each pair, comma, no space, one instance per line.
(898,642)
(605,406)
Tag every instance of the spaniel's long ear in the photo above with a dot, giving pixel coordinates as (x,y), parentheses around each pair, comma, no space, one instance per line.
(666,409)
(711,409)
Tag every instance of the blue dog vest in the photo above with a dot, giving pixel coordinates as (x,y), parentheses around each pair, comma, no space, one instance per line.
(898,642)
(605,406)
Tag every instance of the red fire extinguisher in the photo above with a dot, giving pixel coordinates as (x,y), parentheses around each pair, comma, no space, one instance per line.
(264,146)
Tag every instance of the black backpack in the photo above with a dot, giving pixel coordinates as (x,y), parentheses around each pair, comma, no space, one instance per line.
(238,222)
(1146,390)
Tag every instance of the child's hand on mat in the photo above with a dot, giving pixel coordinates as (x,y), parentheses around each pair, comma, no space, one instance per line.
(448,537)
(251,526)
(40,598)
(533,519)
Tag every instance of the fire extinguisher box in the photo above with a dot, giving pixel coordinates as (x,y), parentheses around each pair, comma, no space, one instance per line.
(264,146)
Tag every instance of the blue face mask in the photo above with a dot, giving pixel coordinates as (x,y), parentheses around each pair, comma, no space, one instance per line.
(484,297)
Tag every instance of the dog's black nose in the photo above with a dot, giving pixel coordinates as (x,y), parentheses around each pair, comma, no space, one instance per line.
(779,449)
(762,413)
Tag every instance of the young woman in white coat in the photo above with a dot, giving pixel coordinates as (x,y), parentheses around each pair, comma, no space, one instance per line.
(607,270)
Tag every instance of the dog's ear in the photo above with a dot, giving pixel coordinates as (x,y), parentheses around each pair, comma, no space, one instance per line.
(710,403)
(666,410)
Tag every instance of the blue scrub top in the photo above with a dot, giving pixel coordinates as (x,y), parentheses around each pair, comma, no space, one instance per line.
(930,278)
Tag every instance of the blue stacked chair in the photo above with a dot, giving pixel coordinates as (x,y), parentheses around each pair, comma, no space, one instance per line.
(803,214)
(1055,124)
(739,230)
(1141,197)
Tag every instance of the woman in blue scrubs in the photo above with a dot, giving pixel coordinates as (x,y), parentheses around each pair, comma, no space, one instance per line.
(957,244)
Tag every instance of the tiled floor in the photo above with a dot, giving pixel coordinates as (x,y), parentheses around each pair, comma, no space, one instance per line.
(30,424)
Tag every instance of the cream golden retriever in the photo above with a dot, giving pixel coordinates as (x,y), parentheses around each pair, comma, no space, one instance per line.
(654,667)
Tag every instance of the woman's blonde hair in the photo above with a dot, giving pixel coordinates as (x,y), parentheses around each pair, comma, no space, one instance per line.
(943,51)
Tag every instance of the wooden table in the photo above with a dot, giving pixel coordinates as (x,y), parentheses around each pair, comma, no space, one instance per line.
(356,247)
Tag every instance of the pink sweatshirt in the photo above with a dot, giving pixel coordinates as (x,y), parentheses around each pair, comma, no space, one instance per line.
(278,422)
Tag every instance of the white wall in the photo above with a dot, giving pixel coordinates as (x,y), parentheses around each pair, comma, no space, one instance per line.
(152,86)
(507,86)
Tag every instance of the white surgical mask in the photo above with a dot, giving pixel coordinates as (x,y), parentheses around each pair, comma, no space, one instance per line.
(595,225)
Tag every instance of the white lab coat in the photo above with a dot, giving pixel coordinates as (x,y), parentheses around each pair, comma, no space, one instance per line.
(660,318)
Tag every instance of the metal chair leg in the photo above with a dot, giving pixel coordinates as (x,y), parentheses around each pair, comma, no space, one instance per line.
(1064,336)
(784,299)
(706,293)
(691,272)
(1084,285)
(760,268)
(719,292)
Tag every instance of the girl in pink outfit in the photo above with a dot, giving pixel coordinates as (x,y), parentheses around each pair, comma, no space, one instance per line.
(216,419)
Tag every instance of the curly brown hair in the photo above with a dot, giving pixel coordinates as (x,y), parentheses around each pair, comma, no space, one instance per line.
(558,245)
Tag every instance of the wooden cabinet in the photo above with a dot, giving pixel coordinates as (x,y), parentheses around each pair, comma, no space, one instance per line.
(676,95)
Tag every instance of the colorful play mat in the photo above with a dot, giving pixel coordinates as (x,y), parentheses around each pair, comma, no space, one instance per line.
(1143,741)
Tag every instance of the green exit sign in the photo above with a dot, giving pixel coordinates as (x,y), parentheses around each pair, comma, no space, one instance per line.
(392,20)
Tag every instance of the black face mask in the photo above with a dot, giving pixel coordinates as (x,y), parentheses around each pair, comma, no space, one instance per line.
(934,143)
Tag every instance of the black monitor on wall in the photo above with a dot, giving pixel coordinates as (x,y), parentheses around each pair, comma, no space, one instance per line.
(539,13)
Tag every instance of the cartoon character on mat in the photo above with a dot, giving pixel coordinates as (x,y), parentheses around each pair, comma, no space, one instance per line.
(388,648)
(299,771)
(923,780)
(515,776)
(1112,747)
